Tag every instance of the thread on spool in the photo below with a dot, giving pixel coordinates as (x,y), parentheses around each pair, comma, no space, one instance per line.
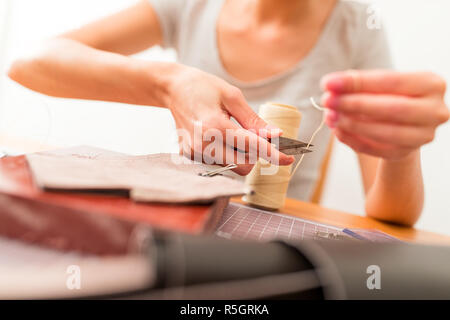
(269,191)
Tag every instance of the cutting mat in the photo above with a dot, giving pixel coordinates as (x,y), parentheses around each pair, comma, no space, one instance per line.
(242,222)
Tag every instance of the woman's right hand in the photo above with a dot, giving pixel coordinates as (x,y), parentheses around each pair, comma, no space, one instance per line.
(91,62)
(202,105)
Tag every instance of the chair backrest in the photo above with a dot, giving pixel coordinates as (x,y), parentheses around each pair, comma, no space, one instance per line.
(317,194)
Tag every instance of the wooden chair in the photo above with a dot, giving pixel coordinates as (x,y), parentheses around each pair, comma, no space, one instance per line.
(317,194)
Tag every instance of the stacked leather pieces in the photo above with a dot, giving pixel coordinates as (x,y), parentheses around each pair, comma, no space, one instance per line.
(165,177)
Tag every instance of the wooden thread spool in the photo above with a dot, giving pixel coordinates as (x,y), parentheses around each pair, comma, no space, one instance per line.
(269,191)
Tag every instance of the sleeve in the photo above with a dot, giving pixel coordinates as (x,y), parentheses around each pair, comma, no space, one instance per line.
(373,50)
(169,15)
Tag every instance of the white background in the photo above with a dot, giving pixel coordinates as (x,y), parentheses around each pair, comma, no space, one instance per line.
(419,32)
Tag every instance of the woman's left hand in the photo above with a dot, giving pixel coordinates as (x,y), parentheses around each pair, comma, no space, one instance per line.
(383,113)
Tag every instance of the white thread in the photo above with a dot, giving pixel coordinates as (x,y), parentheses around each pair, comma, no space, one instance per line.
(269,191)
(315,105)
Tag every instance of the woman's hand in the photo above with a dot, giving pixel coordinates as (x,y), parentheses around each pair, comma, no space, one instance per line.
(386,114)
(202,105)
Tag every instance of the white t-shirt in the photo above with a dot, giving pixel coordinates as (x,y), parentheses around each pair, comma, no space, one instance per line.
(346,42)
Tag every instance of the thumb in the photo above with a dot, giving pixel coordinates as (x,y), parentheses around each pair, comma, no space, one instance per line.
(236,105)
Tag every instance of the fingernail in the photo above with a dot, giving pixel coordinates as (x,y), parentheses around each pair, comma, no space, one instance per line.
(332,83)
(271,127)
(330,100)
(286,160)
(273,130)
(331,118)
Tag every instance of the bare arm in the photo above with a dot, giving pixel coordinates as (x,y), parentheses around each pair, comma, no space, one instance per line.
(88,63)
(129,31)
(394,189)
(92,63)
(68,69)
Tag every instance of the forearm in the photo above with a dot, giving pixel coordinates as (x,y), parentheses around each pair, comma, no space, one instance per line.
(397,194)
(68,69)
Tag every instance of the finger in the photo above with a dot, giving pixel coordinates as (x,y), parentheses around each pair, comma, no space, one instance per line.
(223,131)
(401,135)
(388,108)
(384,81)
(370,147)
(237,107)
(249,142)
(245,164)
(221,155)
(243,169)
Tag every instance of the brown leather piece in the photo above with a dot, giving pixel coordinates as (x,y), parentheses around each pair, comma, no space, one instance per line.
(93,223)
(165,177)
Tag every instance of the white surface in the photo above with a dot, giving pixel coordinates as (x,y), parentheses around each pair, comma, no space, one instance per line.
(32,272)
(418,31)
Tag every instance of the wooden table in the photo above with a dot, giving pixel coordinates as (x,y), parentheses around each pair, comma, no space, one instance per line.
(297,208)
